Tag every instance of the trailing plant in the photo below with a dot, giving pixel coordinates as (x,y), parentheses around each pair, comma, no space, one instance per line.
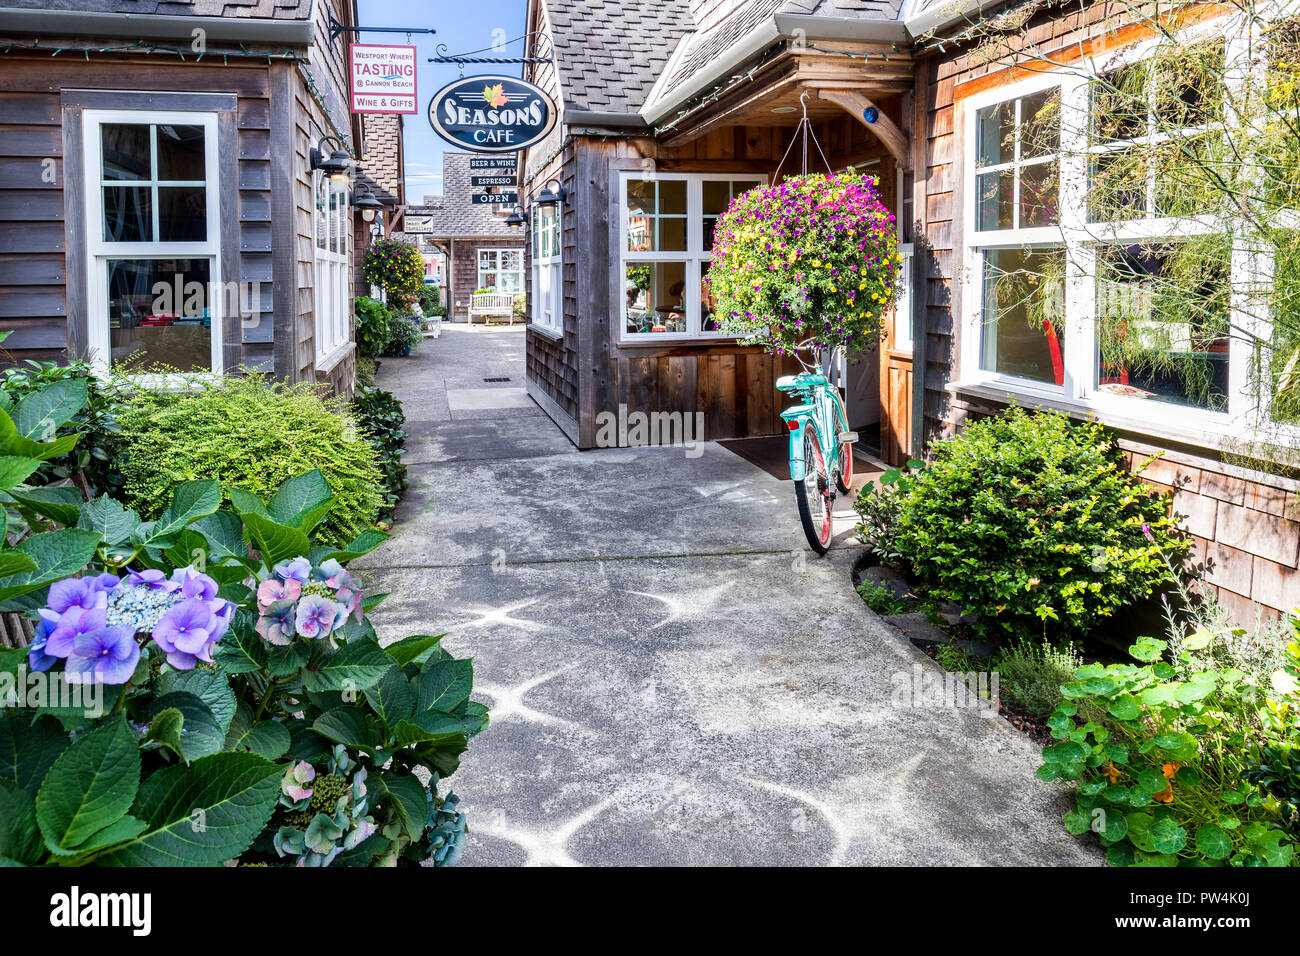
(808,262)
(235,709)
(380,417)
(1158,749)
(1275,765)
(881,599)
(252,434)
(878,507)
(1025,518)
(396,266)
(374,320)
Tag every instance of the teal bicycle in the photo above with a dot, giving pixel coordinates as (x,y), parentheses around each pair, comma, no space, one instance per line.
(821,450)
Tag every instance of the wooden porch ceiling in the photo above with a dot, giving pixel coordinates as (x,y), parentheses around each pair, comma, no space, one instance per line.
(847,77)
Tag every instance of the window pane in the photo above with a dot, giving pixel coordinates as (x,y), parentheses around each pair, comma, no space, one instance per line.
(995,196)
(1040,124)
(672,197)
(717,196)
(159,313)
(1282,368)
(511,259)
(181,155)
(1023,313)
(1162,322)
(1117,187)
(995,132)
(128,214)
(708,322)
(672,234)
(1119,105)
(655,297)
(641,197)
(125,148)
(182,213)
(1187,86)
(639,230)
(1039,203)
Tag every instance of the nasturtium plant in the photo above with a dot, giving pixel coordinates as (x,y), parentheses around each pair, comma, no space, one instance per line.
(1157,751)
(808,262)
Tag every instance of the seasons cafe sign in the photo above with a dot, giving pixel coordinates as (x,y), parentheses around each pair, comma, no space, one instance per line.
(491,114)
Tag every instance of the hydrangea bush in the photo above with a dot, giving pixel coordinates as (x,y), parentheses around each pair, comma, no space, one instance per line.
(808,262)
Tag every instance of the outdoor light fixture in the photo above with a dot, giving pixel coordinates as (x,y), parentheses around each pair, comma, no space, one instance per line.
(517,217)
(551,196)
(339,165)
(782,109)
(366,203)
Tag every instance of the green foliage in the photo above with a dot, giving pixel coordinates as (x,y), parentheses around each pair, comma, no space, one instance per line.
(365,372)
(1030,675)
(252,434)
(879,506)
(404,336)
(1028,518)
(373,321)
(430,298)
(380,417)
(1158,750)
(1275,767)
(881,599)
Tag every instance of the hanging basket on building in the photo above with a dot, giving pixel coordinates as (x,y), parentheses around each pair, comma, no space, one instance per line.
(396,266)
(808,263)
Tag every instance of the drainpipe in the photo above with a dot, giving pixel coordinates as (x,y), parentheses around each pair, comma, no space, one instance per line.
(919,343)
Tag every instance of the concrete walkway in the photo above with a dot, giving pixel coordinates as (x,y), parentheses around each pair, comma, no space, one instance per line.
(673,677)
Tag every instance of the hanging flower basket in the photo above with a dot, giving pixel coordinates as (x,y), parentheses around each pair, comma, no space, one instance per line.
(811,262)
(395,266)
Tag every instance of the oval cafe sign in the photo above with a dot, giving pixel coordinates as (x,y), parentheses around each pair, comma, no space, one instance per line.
(491,114)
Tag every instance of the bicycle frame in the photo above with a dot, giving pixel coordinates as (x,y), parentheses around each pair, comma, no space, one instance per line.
(819,404)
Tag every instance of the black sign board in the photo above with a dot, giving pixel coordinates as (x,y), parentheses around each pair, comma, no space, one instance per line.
(495,199)
(491,114)
(492,180)
(494,162)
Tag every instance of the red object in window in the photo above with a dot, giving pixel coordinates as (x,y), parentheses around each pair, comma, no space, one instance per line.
(1054,346)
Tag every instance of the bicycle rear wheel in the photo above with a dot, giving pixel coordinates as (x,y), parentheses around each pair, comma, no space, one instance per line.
(814,493)
(844,475)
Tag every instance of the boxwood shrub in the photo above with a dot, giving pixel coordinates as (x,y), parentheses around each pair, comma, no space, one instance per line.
(1026,518)
(251,433)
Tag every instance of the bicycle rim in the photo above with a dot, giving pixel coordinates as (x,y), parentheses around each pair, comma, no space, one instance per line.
(813,494)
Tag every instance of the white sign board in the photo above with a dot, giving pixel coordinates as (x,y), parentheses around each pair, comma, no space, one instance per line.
(418,225)
(383,78)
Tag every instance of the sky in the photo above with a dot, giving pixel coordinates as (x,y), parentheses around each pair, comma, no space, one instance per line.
(464,26)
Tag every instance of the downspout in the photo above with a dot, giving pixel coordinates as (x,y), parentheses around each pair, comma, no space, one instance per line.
(920,339)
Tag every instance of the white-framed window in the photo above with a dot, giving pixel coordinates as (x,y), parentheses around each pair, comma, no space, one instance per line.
(501,270)
(1060,271)
(666,224)
(548,297)
(332,297)
(153,239)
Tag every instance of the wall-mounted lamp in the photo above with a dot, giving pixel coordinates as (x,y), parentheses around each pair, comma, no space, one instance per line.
(364,201)
(338,166)
(517,217)
(552,194)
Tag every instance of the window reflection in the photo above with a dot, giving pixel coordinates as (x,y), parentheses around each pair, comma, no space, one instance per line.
(159,313)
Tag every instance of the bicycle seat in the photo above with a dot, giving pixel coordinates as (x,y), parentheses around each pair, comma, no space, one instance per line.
(804,380)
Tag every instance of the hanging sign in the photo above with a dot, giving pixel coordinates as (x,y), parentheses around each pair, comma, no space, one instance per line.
(383,79)
(491,114)
(492,180)
(495,199)
(494,162)
(418,225)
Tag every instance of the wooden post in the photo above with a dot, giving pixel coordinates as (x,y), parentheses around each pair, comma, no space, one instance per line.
(894,139)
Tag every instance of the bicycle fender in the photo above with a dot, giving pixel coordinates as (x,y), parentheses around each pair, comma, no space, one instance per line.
(797,414)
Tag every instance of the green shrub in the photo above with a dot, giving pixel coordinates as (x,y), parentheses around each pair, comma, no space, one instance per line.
(373,324)
(249,433)
(880,598)
(430,298)
(404,336)
(380,417)
(1027,518)
(1030,675)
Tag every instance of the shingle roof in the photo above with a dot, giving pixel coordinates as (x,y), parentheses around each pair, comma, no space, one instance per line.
(609,52)
(254,9)
(454,215)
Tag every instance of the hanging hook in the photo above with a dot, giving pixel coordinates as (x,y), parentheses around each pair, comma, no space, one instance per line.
(803,105)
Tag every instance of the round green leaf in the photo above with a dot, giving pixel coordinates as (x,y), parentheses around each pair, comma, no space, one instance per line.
(1213,842)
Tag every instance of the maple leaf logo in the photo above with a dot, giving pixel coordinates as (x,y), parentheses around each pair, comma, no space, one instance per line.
(495,95)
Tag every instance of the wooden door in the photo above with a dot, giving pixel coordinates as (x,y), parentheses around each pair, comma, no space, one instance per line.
(896,372)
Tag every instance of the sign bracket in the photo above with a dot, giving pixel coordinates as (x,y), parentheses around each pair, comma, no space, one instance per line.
(337,28)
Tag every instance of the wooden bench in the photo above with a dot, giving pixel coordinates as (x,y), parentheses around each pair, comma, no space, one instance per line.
(492,304)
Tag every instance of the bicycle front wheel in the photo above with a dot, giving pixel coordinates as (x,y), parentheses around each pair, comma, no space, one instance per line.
(814,493)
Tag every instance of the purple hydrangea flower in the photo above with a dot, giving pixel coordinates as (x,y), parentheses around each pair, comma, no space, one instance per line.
(150,579)
(72,624)
(194,584)
(315,616)
(75,592)
(37,658)
(276,623)
(299,569)
(273,590)
(107,656)
(185,634)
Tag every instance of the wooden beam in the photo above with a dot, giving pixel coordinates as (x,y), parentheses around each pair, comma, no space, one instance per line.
(882,126)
